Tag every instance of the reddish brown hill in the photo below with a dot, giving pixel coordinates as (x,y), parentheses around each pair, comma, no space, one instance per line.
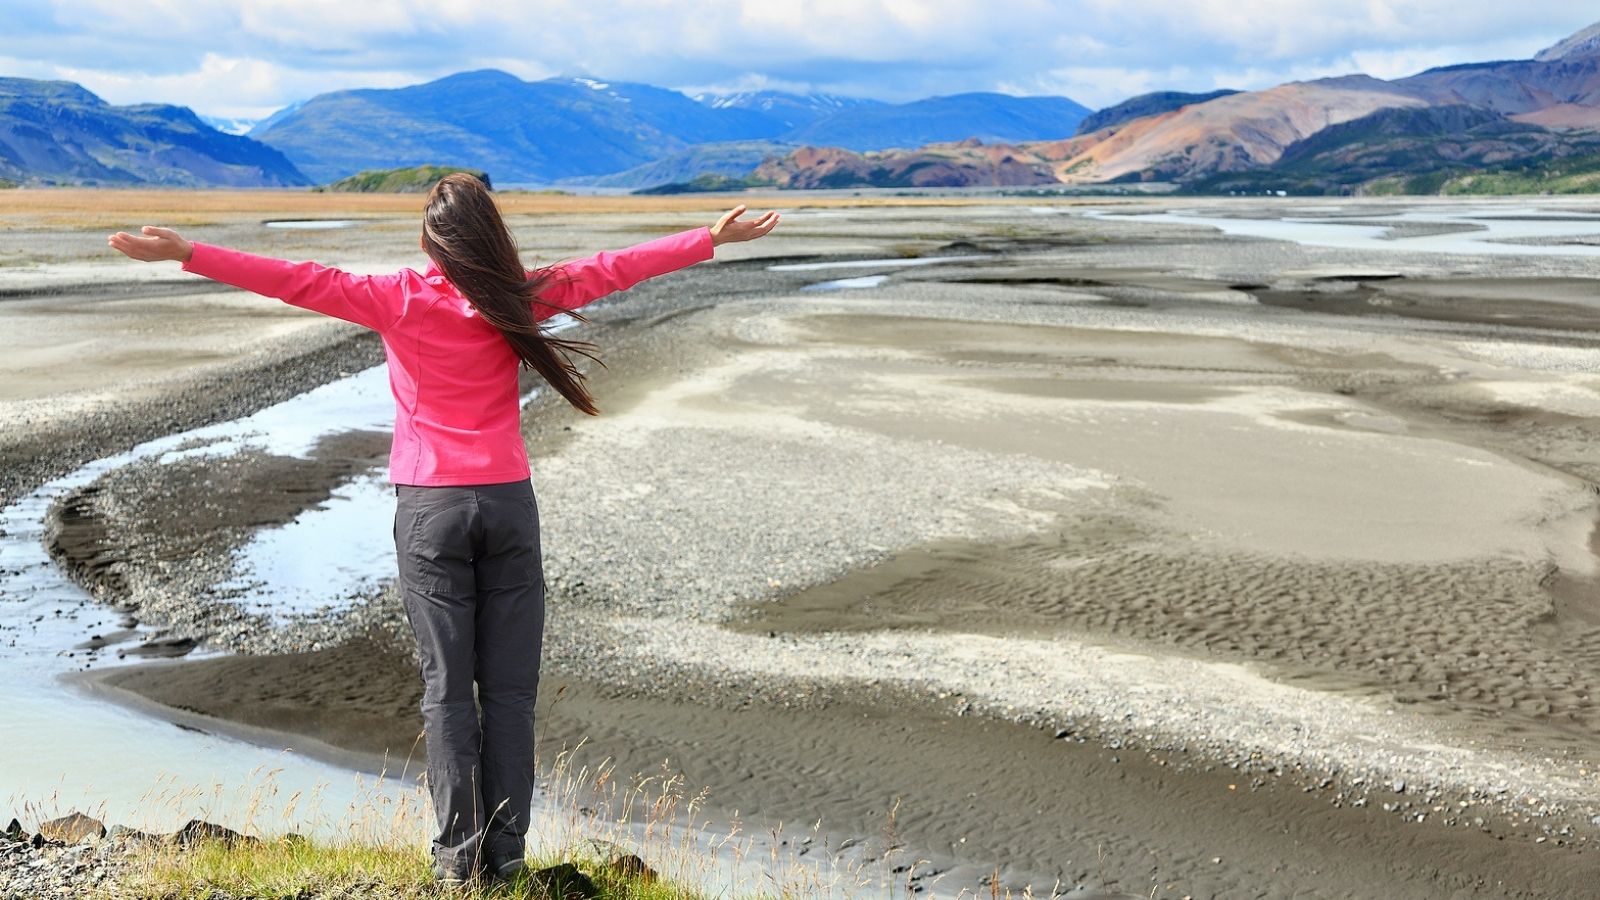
(968,162)
(1240,131)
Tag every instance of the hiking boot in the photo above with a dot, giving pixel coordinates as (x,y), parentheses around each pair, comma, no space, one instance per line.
(452,878)
(506,866)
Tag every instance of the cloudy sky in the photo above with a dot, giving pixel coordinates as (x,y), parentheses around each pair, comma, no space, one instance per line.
(247,58)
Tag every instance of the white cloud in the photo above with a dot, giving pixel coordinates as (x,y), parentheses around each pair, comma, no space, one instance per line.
(220,86)
(1398,62)
(1101,86)
(1290,29)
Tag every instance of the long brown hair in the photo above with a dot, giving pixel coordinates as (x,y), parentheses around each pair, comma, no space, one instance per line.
(466,237)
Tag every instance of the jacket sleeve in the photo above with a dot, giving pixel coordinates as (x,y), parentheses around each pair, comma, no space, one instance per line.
(575,283)
(373,301)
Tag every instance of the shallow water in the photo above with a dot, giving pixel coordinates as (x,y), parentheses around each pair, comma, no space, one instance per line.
(66,749)
(327,554)
(311,224)
(872,263)
(1495,226)
(840,284)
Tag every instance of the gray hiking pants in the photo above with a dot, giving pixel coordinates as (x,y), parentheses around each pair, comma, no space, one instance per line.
(472,582)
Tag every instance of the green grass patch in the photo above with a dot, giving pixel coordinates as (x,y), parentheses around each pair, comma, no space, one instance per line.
(1573,175)
(297,868)
(413,180)
(706,183)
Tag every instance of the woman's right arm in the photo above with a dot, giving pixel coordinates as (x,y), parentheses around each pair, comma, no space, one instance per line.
(369,300)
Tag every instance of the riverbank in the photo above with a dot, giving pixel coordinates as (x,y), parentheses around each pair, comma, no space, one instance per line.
(965,531)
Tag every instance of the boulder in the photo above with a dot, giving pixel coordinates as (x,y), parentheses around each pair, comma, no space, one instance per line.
(72,828)
(197,831)
(630,866)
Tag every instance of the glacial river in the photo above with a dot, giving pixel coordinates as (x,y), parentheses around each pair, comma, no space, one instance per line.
(66,749)
(1499,230)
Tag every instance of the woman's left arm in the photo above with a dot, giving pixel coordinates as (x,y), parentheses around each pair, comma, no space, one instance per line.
(575,283)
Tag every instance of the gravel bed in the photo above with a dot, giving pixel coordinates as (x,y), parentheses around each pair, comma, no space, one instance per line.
(57,870)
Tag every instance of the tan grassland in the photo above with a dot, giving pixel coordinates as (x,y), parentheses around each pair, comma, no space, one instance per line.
(91,208)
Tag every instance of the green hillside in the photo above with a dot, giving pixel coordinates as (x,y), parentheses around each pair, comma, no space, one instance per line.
(409,180)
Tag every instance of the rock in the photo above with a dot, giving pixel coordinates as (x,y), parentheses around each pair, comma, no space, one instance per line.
(164,647)
(631,866)
(71,828)
(197,831)
(565,882)
(133,836)
(14,831)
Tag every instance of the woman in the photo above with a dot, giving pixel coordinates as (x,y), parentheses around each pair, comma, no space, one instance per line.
(466,525)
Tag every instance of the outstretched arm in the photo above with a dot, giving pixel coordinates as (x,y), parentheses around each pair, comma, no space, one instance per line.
(369,300)
(575,283)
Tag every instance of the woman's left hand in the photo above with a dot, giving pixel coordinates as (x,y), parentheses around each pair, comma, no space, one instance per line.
(729,228)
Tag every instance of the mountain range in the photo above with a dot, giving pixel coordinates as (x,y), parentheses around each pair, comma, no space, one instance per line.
(539,132)
(1329,135)
(1340,135)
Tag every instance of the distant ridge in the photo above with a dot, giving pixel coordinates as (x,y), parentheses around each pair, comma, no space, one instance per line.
(789,110)
(1145,105)
(1584,43)
(730,159)
(56,132)
(985,116)
(540,132)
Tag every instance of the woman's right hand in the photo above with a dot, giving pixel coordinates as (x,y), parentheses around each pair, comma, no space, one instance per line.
(155,245)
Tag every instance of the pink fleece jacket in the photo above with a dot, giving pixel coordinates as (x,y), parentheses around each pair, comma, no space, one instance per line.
(454,376)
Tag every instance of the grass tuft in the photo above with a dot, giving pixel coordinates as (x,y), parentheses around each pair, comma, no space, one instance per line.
(287,867)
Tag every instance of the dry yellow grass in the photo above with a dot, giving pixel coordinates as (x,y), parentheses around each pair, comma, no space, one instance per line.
(105,208)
